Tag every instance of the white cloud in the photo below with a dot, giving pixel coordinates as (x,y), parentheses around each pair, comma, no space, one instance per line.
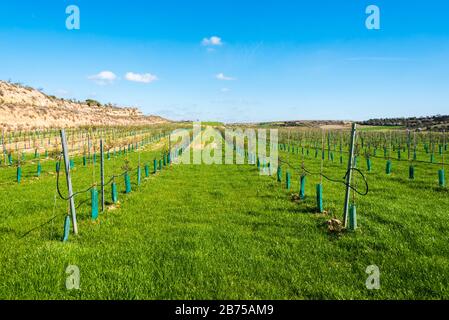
(143,78)
(104,77)
(212,41)
(221,76)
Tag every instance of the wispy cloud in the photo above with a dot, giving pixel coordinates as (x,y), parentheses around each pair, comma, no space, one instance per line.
(221,76)
(212,41)
(142,78)
(224,90)
(103,78)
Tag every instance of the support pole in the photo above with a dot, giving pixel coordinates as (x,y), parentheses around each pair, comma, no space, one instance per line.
(349,175)
(69,180)
(102,174)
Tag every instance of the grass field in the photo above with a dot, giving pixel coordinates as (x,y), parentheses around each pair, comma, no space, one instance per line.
(225,232)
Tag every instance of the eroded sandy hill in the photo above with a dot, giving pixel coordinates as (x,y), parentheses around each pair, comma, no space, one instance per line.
(24,108)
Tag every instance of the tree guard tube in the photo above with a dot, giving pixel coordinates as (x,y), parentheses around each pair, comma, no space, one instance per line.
(388,168)
(94,203)
(279,174)
(139,175)
(319,198)
(114,195)
(287,180)
(155,166)
(441,178)
(39,169)
(368,164)
(19,174)
(65,237)
(127,183)
(352,217)
(411,172)
(147,170)
(302,187)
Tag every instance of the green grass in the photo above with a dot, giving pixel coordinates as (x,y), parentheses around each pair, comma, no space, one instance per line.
(225,232)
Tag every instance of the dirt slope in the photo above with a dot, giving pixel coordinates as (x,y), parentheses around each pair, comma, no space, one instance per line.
(24,108)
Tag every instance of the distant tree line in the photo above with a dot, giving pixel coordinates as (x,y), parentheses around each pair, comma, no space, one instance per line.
(438,122)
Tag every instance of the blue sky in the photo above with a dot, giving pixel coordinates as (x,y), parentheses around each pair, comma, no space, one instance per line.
(275,60)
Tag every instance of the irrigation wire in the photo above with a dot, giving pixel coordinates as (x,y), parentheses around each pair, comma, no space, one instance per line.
(322,175)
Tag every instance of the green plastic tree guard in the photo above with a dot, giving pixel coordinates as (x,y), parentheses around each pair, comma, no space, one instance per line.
(114,194)
(302,187)
(164,160)
(388,168)
(127,183)
(72,164)
(155,165)
(160,164)
(352,217)
(138,175)
(19,174)
(65,236)
(39,169)
(84,161)
(411,172)
(441,178)
(368,164)
(287,180)
(147,170)
(94,203)
(57,167)
(279,174)
(319,198)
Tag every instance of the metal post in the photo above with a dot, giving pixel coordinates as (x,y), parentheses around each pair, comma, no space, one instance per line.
(349,175)
(69,180)
(102,174)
